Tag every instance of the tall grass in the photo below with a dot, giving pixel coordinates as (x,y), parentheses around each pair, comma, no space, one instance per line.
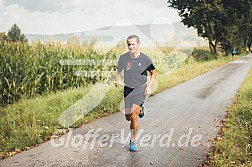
(28,70)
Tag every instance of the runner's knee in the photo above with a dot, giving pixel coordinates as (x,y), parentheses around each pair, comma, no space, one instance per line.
(134,116)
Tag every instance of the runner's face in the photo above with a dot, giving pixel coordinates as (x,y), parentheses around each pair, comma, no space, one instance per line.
(133,45)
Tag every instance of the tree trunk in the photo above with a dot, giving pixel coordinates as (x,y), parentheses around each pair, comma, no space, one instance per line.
(216,48)
(226,52)
(213,47)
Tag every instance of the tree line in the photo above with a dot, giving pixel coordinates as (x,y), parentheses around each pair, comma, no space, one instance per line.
(224,23)
(13,35)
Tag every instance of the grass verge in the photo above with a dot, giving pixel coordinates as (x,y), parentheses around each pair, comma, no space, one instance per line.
(32,121)
(233,146)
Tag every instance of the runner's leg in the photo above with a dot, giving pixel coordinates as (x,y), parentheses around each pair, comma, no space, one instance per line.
(128,100)
(134,120)
(138,100)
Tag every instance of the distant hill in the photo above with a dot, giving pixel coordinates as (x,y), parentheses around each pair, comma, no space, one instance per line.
(167,34)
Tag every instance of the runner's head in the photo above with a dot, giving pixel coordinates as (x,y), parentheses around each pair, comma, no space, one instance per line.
(133,43)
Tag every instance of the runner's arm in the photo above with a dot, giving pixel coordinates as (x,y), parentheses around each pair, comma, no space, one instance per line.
(152,79)
(118,78)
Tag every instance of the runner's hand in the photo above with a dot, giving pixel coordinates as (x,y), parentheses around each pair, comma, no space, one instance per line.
(118,83)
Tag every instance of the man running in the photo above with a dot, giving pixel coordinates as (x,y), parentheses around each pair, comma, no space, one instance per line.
(233,53)
(135,65)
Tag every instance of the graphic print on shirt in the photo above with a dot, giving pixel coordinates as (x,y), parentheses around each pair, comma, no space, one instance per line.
(128,67)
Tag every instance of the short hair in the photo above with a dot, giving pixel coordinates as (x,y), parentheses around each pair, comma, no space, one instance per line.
(133,36)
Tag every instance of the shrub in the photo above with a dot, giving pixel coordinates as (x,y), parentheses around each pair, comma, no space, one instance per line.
(202,55)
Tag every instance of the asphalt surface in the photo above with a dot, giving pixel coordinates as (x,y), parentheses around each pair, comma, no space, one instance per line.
(178,128)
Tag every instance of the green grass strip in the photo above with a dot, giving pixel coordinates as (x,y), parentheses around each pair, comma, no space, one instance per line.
(234,145)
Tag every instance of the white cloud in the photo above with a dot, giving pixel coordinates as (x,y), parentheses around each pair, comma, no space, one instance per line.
(78,15)
(42,6)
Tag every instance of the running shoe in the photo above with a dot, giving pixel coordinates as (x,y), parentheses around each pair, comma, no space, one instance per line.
(141,114)
(133,146)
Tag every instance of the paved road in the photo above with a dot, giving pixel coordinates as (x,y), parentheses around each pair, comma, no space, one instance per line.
(177,130)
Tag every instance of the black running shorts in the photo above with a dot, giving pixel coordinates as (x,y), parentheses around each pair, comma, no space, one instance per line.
(134,96)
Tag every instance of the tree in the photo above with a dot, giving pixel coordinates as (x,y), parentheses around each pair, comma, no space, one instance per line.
(203,15)
(15,35)
(3,36)
(238,26)
(247,23)
(229,38)
(222,22)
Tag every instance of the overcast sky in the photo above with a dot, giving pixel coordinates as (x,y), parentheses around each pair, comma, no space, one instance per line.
(67,16)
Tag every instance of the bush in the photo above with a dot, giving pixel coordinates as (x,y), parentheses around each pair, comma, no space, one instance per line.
(202,55)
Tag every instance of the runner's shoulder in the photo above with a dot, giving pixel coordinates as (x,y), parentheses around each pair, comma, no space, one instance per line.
(145,57)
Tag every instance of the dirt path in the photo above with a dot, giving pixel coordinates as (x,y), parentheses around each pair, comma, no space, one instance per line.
(177,130)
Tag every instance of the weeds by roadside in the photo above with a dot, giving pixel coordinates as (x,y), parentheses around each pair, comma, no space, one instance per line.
(233,146)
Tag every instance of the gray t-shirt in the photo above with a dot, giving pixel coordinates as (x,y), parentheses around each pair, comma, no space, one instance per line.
(135,69)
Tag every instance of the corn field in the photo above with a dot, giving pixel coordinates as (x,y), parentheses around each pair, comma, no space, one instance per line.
(31,69)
